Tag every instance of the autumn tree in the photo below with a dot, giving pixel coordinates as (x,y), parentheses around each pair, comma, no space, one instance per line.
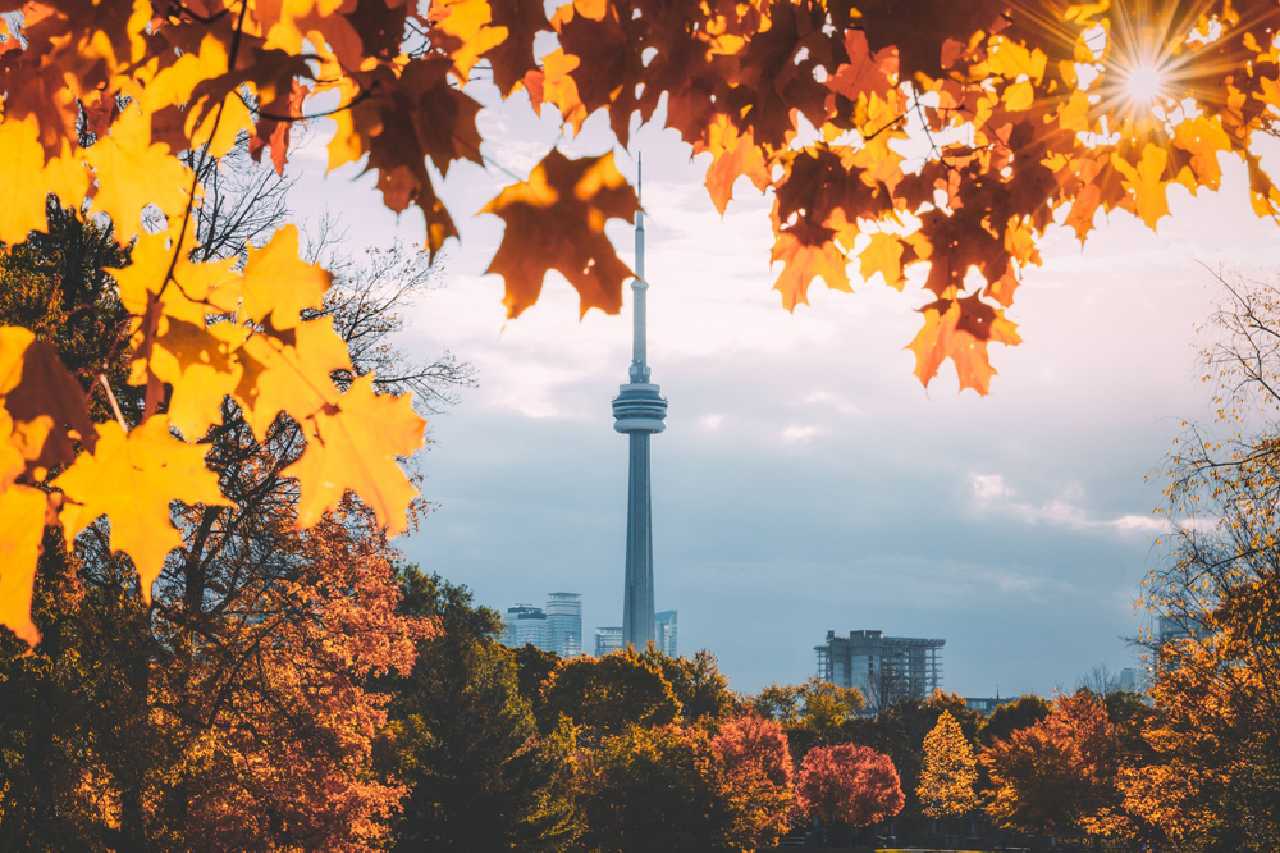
(848,786)
(463,739)
(699,686)
(1212,780)
(1057,777)
(949,772)
(1026,710)
(935,147)
(606,695)
(183,664)
(754,758)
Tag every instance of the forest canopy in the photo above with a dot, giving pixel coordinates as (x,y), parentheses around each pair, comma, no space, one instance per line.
(945,138)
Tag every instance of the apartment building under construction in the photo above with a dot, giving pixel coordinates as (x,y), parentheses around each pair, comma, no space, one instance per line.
(886,669)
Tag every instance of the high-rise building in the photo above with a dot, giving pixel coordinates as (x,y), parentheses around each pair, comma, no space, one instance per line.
(608,639)
(564,623)
(664,632)
(639,411)
(525,625)
(886,669)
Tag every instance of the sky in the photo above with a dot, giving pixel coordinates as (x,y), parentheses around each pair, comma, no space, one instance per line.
(806,481)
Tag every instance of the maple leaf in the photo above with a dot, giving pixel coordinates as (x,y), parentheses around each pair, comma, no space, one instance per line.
(28,179)
(132,173)
(1146,183)
(555,221)
(513,58)
(354,444)
(132,478)
(290,373)
(960,329)
(733,154)
(22,518)
(864,73)
(48,407)
(806,252)
(278,285)
(883,255)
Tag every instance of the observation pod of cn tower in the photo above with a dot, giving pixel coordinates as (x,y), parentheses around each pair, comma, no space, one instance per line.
(639,411)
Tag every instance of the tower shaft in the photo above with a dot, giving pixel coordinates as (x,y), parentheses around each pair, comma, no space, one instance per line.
(639,411)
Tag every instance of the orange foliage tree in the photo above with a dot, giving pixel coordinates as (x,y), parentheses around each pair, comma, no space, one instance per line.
(946,139)
(1213,782)
(848,785)
(1057,777)
(754,757)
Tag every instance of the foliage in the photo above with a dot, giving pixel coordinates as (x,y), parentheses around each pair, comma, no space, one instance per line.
(1212,780)
(1006,719)
(463,738)
(754,757)
(848,784)
(946,140)
(950,771)
(1057,777)
(900,730)
(702,691)
(608,694)
(666,788)
(228,704)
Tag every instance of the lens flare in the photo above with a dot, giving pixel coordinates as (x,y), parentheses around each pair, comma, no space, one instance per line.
(1144,84)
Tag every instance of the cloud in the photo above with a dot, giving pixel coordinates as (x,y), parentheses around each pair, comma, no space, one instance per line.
(993,494)
(800,433)
(838,403)
(711,422)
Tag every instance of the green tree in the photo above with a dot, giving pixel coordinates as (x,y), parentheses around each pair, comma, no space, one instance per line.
(1008,718)
(698,684)
(658,788)
(464,739)
(606,695)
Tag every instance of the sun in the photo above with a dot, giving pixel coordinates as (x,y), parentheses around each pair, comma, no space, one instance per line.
(1144,84)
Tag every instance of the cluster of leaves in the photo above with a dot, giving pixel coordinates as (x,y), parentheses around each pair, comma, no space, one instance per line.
(849,784)
(951,137)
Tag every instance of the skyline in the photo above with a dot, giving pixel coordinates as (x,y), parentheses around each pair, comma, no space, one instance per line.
(774,516)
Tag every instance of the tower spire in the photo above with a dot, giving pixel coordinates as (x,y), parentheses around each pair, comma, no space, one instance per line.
(639,358)
(639,411)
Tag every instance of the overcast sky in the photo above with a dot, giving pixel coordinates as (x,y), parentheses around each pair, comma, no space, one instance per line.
(806,481)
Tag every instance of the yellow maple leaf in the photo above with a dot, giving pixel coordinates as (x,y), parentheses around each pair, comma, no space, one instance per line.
(280,284)
(22,516)
(132,478)
(883,255)
(132,172)
(197,290)
(290,374)
(1146,181)
(27,179)
(354,445)
(470,21)
(199,362)
(803,261)
(1203,138)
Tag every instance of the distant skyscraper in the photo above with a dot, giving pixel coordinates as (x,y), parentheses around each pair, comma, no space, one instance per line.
(639,412)
(885,669)
(664,632)
(525,625)
(608,639)
(564,623)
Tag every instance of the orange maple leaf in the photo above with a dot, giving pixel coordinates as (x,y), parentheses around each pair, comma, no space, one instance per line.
(555,221)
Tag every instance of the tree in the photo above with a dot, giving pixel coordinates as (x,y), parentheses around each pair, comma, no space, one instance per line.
(1057,777)
(753,755)
(1024,711)
(702,691)
(950,771)
(112,107)
(848,785)
(156,743)
(606,695)
(1211,777)
(464,741)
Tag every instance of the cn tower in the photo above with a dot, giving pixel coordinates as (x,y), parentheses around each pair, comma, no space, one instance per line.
(638,412)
